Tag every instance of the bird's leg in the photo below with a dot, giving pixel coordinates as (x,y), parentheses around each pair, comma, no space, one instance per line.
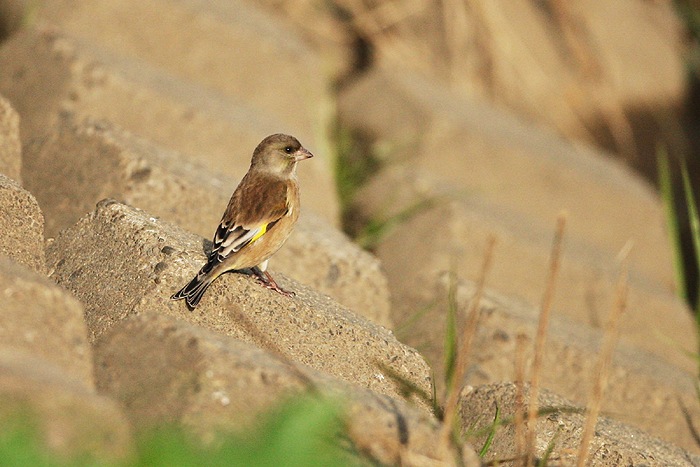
(267,281)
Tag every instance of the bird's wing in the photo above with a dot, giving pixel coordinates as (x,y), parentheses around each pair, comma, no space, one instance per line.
(253,211)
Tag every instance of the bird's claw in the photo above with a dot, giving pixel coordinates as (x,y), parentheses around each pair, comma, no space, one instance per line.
(266,280)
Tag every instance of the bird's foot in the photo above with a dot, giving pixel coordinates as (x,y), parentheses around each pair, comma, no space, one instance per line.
(266,280)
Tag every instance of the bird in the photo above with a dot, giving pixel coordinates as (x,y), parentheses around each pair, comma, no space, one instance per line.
(258,220)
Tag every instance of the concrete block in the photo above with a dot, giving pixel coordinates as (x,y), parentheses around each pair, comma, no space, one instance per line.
(43,320)
(120,261)
(214,384)
(22,226)
(72,421)
(45,73)
(10,146)
(613,444)
(78,164)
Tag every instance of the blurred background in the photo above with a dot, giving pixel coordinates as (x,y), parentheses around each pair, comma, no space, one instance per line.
(619,75)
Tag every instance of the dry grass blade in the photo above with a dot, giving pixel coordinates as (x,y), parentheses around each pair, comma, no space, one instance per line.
(374,20)
(604,363)
(577,38)
(541,337)
(620,126)
(456,30)
(519,417)
(468,333)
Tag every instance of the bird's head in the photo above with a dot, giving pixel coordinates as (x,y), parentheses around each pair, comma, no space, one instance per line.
(279,154)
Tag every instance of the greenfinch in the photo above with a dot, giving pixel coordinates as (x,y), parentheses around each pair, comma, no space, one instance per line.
(258,219)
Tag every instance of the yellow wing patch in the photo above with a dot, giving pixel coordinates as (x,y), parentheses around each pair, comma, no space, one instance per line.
(262,231)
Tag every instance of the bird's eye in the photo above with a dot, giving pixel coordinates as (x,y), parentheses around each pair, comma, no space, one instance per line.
(288,149)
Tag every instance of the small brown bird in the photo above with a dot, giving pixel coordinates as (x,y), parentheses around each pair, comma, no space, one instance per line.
(258,219)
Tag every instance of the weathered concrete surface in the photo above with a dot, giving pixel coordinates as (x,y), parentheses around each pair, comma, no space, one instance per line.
(22,226)
(215,384)
(120,261)
(80,163)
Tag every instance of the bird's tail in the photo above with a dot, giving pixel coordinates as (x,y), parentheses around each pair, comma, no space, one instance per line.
(194,290)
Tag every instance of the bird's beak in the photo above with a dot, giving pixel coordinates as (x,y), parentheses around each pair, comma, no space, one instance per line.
(302,154)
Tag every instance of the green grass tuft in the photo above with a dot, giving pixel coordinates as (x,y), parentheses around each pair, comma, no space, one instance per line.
(305,431)
(20,445)
(302,432)
(355,164)
(357,161)
(673,220)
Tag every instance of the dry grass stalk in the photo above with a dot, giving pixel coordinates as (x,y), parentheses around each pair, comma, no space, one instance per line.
(464,349)
(519,417)
(578,40)
(612,330)
(324,27)
(478,37)
(541,337)
(385,15)
(456,30)
(619,125)
(387,25)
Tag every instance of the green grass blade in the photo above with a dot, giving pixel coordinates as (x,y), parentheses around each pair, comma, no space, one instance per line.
(672,219)
(492,433)
(437,409)
(376,229)
(694,222)
(550,448)
(451,331)
(408,325)
(407,388)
